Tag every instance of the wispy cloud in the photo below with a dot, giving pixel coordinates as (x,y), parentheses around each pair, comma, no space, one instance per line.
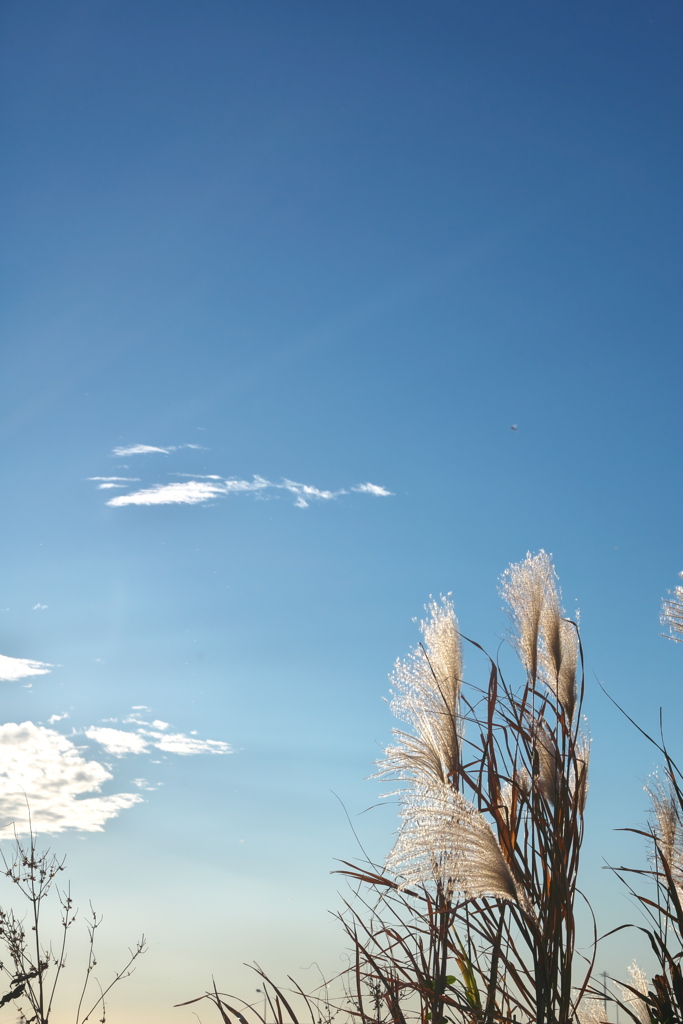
(44,769)
(192,492)
(120,742)
(200,489)
(12,669)
(150,449)
(39,607)
(379,492)
(117,741)
(144,784)
(305,493)
(203,488)
(139,449)
(199,476)
(179,743)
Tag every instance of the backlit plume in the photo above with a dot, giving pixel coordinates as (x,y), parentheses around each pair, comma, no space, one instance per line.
(635,995)
(444,838)
(427,697)
(547,642)
(667,830)
(672,613)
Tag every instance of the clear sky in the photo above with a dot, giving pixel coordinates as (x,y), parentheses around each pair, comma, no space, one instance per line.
(279,280)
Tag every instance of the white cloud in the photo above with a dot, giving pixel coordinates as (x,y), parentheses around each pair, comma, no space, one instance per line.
(140,449)
(178,743)
(12,669)
(39,607)
(138,741)
(305,492)
(117,741)
(380,492)
(150,449)
(194,492)
(199,476)
(200,488)
(236,486)
(41,767)
(144,784)
(57,718)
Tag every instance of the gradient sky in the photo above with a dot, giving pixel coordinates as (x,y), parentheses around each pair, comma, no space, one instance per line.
(278,280)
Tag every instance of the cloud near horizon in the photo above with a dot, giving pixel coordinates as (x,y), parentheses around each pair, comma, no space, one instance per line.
(43,769)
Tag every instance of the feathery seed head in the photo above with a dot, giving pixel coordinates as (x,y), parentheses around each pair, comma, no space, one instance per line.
(666,830)
(546,642)
(591,1011)
(666,823)
(445,839)
(672,613)
(636,1000)
(427,697)
(547,765)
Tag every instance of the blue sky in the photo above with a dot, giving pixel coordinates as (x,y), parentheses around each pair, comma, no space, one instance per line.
(300,249)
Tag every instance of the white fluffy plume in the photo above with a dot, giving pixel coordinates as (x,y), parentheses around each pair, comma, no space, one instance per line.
(547,643)
(444,838)
(636,994)
(666,828)
(427,697)
(672,613)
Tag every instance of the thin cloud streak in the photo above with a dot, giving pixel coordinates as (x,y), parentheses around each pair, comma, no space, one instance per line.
(150,449)
(178,743)
(193,492)
(140,449)
(201,489)
(379,492)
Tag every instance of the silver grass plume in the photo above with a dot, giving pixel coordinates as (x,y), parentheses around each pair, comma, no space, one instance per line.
(445,839)
(636,1001)
(672,613)
(666,829)
(517,790)
(547,643)
(427,697)
(548,766)
(591,1011)
(579,780)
